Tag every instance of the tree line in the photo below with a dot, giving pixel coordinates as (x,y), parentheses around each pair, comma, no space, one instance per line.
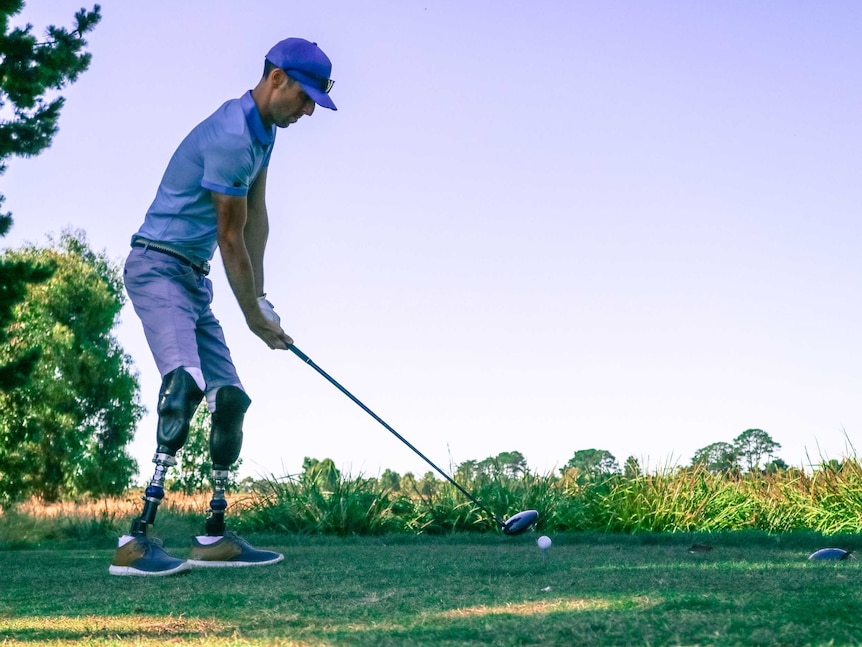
(753,450)
(748,453)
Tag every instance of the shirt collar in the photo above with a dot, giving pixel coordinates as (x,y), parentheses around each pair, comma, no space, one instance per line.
(252,116)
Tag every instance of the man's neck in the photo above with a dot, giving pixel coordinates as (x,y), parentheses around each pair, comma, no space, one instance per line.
(260,94)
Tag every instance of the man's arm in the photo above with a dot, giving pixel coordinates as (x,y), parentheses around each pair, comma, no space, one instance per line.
(256,229)
(233,216)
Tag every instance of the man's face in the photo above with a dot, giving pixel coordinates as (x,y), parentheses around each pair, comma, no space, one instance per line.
(289,103)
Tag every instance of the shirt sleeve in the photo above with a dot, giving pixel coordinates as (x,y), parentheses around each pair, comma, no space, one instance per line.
(228,166)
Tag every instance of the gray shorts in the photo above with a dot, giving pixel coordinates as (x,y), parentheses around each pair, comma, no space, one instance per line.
(173,302)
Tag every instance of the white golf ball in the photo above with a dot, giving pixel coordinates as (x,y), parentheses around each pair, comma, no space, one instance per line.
(544,542)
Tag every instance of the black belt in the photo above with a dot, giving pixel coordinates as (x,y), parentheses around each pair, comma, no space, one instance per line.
(201,267)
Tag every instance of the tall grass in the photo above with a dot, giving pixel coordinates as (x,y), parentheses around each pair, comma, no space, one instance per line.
(342,507)
(827,500)
(357,505)
(97,523)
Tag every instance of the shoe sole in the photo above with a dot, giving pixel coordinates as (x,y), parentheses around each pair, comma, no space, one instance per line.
(131,571)
(204,563)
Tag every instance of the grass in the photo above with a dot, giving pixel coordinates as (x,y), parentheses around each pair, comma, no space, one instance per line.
(459,589)
(369,565)
(97,523)
(688,499)
(827,499)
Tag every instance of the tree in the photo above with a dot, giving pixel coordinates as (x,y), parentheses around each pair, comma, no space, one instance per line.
(390,481)
(65,432)
(505,464)
(752,445)
(322,475)
(15,276)
(194,463)
(428,486)
(408,483)
(513,464)
(776,465)
(467,471)
(593,462)
(717,457)
(487,467)
(832,465)
(28,70)
(632,467)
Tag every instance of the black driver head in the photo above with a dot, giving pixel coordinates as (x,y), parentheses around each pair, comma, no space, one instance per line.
(520,522)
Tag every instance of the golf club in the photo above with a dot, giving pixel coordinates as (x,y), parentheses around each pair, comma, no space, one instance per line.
(514,525)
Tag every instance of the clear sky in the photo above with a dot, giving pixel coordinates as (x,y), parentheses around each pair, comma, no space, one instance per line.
(535,226)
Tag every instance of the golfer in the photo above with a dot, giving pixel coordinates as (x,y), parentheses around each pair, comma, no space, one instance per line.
(212,195)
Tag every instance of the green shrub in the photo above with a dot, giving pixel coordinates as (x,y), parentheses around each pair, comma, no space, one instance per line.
(827,500)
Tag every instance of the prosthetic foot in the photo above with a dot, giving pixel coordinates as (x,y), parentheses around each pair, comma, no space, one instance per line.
(219,548)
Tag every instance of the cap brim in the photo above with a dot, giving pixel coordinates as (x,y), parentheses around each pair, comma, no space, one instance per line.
(320,98)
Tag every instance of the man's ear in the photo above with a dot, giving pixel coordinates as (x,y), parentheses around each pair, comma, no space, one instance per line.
(279,78)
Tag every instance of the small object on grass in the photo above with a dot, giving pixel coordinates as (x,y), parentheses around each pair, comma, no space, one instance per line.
(700,548)
(831,555)
(544,543)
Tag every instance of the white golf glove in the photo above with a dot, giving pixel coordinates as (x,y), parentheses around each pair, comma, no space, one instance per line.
(268,310)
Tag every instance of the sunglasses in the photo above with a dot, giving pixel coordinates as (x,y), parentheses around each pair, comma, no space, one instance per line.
(324,85)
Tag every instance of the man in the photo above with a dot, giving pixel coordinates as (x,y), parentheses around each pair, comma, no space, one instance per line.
(212,195)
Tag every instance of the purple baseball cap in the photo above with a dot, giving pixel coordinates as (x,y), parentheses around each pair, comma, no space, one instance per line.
(306,63)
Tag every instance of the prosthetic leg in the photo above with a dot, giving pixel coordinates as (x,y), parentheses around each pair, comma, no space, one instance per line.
(136,554)
(231,403)
(218,548)
(178,399)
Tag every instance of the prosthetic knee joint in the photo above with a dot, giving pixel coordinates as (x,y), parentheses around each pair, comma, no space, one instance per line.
(178,399)
(225,445)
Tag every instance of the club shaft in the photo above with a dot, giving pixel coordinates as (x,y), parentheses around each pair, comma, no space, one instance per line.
(305,358)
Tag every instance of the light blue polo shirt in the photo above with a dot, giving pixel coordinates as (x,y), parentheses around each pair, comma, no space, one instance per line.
(224,153)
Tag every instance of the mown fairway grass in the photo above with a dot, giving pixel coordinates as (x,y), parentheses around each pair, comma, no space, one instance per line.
(461,589)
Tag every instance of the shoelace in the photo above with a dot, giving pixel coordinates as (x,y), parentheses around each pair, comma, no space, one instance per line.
(233,537)
(149,543)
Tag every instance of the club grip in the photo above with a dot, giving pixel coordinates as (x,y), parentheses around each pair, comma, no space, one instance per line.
(299,353)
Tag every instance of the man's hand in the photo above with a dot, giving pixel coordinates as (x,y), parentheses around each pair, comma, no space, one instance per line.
(269,331)
(271,316)
(268,310)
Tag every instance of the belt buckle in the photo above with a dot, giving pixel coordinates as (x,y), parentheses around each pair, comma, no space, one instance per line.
(205,267)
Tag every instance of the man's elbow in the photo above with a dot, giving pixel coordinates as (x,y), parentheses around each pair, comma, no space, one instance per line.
(231,245)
